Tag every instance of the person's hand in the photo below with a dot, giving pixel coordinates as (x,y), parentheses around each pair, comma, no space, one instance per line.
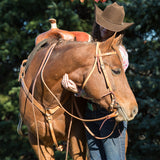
(68,84)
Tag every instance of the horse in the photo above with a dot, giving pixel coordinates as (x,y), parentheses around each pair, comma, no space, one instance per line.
(46,107)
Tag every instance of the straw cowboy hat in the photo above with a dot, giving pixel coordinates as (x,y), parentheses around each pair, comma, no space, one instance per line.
(112,18)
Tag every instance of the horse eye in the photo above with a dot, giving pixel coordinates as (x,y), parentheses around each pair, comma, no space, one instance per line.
(116,71)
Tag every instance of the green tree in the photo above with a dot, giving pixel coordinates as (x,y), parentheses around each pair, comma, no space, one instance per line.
(22,20)
(143,74)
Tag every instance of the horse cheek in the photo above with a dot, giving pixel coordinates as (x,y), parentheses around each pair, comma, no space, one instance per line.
(96,86)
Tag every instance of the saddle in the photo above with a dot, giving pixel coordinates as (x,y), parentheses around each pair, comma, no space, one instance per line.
(57,33)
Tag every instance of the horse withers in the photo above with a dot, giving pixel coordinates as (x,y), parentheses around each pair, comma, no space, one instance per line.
(95,67)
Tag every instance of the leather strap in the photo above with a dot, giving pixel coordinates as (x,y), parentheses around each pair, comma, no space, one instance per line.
(48,113)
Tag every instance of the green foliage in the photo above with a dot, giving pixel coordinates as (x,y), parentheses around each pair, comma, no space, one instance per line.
(143,75)
(22,20)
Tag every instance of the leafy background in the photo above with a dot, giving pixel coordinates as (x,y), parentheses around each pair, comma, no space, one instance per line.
(22,20)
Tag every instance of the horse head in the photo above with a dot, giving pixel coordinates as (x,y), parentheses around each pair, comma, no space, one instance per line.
(107,85)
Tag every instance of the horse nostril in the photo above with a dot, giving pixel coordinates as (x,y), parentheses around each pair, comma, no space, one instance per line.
(134,111)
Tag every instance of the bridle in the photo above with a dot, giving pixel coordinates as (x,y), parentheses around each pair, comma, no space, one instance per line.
(101,68)
(50,112)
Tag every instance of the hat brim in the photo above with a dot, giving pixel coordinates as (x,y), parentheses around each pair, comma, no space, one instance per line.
(109,25)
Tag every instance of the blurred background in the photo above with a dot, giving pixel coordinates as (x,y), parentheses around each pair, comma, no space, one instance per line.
(22,20)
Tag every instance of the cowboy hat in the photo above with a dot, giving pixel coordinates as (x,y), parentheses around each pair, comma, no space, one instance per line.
(112,18)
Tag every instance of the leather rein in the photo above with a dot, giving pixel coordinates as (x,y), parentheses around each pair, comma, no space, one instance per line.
(49,112)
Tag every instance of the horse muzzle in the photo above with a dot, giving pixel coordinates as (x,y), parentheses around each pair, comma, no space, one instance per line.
(124,115)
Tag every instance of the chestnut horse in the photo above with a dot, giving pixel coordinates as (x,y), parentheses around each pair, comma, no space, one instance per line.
(42,92)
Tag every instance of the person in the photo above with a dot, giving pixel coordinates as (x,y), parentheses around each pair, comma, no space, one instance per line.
(106,23)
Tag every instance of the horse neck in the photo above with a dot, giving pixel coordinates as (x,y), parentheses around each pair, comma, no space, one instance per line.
(68,59)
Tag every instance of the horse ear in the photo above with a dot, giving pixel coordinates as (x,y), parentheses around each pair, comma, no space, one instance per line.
(106,45)
(118,40)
